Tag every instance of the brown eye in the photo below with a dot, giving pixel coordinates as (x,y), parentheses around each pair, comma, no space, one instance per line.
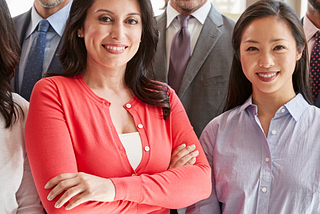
(132,21)
(252,49)
(105,19)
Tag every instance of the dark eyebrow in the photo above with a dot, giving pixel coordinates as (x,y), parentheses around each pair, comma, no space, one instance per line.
(274,40)
(108,11)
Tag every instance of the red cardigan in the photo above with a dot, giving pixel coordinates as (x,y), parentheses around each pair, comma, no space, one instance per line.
(69,129)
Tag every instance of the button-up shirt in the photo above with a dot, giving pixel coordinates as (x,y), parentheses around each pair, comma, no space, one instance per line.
(57,25)
(253,173)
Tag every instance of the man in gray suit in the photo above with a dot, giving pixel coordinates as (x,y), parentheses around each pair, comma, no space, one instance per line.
(204,84)
(57,13)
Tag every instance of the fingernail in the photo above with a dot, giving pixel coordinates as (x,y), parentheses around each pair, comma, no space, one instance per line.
(46,186)
(196,153)
(183,145)
(49,197)
(193,146)
(57,205)
(67,208)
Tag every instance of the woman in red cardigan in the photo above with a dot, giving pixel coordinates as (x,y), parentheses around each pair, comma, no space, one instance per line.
(100,136)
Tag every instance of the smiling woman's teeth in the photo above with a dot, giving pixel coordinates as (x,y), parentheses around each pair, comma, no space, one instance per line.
(267,75)
(115,48)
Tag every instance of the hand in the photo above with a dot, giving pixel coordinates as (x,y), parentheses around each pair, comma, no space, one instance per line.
(183,155)
(82,186)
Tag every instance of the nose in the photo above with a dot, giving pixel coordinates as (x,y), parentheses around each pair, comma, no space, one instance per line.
(117,31)
(266,60)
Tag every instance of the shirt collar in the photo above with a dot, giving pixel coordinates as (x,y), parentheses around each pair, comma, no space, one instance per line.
(309,28)
(200,14)
(295,107)
(57,20)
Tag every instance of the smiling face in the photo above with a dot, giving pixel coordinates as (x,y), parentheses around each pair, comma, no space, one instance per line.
(268,56)
(112,32)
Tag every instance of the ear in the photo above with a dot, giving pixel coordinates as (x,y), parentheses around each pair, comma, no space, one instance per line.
(80,33)
(299,53)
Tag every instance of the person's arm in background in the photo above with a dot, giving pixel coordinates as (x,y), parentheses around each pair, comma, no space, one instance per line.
(27,196)
(210,205)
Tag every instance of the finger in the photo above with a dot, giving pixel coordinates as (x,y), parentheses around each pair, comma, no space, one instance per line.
(185,159)
(62,186)
(180,156)
(191,161)
(178,149)
(72,192)
(82,198)
(54,181)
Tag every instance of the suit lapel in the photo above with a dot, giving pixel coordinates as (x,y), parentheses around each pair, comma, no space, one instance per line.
(161,54)
(208,37)
(55,65)
(21,23)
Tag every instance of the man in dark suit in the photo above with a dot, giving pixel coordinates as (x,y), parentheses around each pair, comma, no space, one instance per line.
(204,84)
(311,25)
(56,12)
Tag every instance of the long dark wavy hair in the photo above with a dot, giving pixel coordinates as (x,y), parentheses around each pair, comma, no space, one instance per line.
(9,59)
(73,55)
(240,88)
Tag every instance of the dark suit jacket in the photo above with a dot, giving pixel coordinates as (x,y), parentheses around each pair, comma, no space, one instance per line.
(204,86)
(317,102)
(22,22)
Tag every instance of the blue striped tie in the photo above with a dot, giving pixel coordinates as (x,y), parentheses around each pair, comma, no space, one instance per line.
(33,70)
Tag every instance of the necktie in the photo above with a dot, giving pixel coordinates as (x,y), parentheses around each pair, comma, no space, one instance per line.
(315,67)
(33,70)
(179,53)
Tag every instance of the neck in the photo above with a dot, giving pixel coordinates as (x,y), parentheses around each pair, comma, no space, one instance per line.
(104,78)
(47,12)
(313,15)
(185,8)
(268,104)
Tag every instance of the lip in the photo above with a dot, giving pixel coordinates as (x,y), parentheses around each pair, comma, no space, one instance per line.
(115,48)
(267,76)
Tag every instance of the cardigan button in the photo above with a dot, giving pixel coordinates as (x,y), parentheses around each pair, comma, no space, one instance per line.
(140,126)
(128,105)
(147,148)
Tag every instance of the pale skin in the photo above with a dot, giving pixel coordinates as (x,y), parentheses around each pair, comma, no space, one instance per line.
(47,12)
(268,57)
(109,25)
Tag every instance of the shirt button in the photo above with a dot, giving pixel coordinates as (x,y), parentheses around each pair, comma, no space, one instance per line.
(147,148)
(283,110)
(264,189)
(267,160)
(140,126)
(274,132)
(128,105)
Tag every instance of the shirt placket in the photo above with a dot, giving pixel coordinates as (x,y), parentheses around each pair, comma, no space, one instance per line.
(265,174)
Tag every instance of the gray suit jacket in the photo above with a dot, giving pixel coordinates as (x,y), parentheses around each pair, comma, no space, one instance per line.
(204,86)
(22,22)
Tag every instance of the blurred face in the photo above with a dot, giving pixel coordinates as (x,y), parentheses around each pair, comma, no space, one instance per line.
(50,3)
(112,32)
(315,4)
(268,55)
(187,6)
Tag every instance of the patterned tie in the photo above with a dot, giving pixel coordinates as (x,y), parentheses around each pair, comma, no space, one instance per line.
(33,70)
(179,53)
(315,67)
